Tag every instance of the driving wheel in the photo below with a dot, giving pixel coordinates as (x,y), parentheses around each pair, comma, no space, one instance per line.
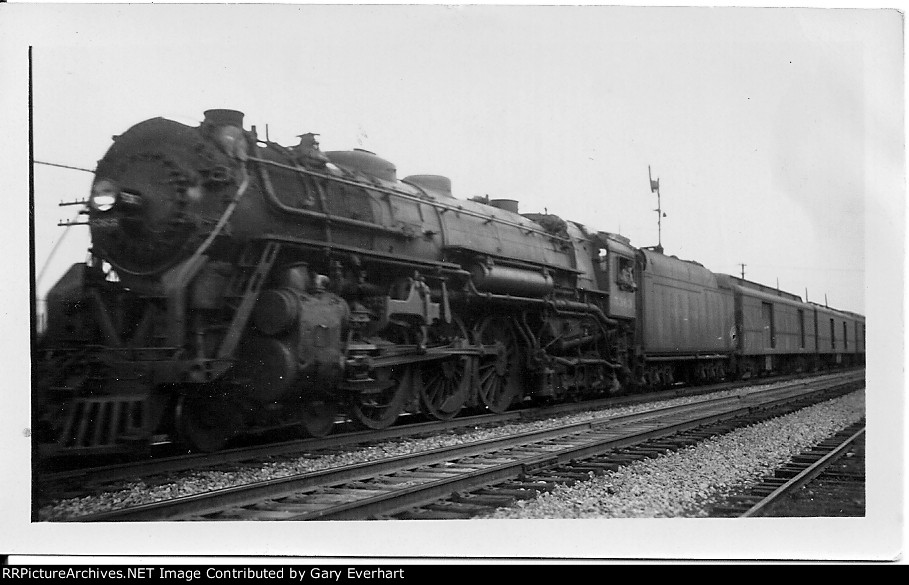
(499,373)
(206,423)
(444,385)
(377,406)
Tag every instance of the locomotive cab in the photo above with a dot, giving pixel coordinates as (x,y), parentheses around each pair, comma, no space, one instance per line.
(615,273)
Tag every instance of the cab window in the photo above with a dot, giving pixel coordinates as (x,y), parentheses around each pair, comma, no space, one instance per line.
(625,274)
(602,260)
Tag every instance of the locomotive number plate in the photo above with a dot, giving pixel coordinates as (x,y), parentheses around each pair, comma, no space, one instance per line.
(106,223)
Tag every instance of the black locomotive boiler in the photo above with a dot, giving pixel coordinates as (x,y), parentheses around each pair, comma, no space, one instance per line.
(237,285)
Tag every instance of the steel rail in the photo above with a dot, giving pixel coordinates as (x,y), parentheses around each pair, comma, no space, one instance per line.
(216,501)
(811,472)
(145,467)
(401,500)
(243,495)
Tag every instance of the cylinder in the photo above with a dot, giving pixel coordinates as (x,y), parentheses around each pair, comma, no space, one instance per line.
(511,281)
(275,311)
(268,367)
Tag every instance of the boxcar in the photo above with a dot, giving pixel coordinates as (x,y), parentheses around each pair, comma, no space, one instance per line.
(841,336)
(858,323)
(775,328)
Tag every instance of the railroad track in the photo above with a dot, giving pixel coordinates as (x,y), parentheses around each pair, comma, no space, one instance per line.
(802,470)
(402,486)
(69,482)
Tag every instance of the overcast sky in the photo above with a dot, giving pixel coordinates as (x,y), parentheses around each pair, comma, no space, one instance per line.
(759,123)
(777,134)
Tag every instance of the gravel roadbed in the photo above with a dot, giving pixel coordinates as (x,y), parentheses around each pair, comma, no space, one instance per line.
(150,490)
(686,483)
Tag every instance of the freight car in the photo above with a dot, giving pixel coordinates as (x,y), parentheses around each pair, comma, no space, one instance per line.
(235,284)
(776,331)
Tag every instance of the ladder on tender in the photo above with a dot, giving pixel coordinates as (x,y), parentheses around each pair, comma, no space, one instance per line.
(255,263)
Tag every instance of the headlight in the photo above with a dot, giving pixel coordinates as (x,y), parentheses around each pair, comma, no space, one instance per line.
(104,195)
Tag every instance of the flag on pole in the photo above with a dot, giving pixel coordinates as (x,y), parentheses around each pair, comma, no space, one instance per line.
(654,185)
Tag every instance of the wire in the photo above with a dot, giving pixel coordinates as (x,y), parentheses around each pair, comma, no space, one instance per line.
(813,268)
(66,231)
(38,162)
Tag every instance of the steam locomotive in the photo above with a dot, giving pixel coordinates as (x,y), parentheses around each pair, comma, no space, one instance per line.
(236,285)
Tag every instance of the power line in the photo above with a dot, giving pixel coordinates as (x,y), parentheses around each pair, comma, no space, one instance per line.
(60,240)
(813,268)
(38,162)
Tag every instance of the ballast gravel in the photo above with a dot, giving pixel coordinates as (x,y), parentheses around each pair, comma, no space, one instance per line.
(685,483)
(147,491)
